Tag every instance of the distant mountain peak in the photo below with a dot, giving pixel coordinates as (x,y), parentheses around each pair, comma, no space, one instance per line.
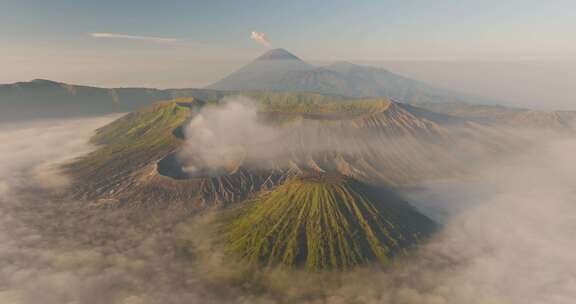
(265,72)
(44,81)
(343,64)
(278,54)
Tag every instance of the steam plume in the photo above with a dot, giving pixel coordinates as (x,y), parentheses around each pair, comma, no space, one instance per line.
(261,38)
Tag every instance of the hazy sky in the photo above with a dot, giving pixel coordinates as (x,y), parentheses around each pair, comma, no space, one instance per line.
(192,43)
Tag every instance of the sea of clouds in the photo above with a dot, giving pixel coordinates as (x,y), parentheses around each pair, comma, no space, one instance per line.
(508,237)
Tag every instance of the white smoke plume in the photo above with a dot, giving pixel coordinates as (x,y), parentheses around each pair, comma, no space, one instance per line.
(261,38)
(219,138)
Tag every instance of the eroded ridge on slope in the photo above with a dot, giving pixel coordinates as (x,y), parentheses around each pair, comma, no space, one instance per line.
(323,222)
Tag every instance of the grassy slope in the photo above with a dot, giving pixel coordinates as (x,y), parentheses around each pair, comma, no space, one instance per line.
(323,223)
(342,107)
(131,142)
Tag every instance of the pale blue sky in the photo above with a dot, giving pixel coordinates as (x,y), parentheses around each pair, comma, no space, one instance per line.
(51,39)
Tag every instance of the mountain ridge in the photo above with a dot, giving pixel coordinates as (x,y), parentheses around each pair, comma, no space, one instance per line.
(274,74)
(29,100)
(341,78)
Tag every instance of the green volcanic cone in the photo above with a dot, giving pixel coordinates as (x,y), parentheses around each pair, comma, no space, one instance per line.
(323,222)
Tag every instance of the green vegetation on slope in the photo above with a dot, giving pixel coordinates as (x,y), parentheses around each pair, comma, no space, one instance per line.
(288,99)
(337,107)
(132,142)
(146,124)
(323,222)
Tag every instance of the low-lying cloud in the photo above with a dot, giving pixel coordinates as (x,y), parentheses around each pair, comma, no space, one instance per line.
(54,251)
(508,238)
(511,244)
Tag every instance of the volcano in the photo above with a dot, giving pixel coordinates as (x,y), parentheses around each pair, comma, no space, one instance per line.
(280,70)
(265,72)
(312,208)
(324,222)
